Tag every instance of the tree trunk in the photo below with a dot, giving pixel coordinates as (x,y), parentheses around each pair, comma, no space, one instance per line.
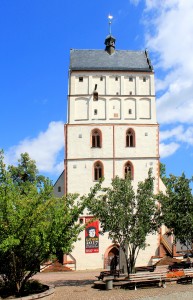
(123,259)
(132,259)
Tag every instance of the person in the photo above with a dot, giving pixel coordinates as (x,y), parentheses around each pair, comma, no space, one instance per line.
(114,263)
(91,232)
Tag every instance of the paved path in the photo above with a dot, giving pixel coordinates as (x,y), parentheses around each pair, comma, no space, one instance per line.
(77,285)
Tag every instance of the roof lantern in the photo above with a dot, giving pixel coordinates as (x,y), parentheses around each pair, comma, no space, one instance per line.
(110,40)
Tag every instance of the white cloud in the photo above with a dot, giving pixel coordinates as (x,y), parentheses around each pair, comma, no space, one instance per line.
(44,149)
(171,42)
(168,145)
(186,137)
(171,140)
(175,132)
(168,150)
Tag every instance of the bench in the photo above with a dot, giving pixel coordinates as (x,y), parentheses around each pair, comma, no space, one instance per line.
(188,275)
(159,276)
(180,275)
(143,278)
(145,269)
(103,274)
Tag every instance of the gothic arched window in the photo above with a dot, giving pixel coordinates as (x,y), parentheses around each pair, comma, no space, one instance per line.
(128,169)
(130,138)
(98,170)
(96,138)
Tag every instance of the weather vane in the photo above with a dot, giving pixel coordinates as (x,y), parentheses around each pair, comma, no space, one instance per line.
(110,22)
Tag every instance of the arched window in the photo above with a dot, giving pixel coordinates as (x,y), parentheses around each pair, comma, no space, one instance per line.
(128,169)
(130,138)
(96,138)
(98,171)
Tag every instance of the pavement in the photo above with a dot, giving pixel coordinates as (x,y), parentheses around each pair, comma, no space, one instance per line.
(78,285)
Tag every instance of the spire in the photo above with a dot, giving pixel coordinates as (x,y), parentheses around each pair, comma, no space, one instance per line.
(110,40)
(110,22)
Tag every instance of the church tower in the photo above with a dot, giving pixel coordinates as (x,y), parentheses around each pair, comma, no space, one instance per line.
(111,130)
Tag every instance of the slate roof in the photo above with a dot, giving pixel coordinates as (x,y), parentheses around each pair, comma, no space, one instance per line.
(101,60)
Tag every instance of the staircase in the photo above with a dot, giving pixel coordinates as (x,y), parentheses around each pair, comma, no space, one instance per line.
(165,241)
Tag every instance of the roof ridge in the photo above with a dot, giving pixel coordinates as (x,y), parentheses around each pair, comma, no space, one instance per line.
(124,50)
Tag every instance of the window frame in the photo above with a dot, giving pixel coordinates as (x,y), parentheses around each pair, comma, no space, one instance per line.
(130,138)
(130,165)
(98,170)
(96,138)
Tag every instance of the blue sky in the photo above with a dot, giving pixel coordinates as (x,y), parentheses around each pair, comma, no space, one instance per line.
(36,37)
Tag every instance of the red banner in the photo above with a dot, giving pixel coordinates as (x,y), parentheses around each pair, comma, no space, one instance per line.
(92,236)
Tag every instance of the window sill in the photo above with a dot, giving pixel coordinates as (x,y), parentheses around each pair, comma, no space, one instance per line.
(96,147)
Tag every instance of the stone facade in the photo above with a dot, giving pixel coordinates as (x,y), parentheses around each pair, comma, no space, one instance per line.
(111,126)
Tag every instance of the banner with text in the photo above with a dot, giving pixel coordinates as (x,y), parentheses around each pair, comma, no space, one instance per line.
(91,236)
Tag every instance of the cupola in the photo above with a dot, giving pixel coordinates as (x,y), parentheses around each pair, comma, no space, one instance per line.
(110,44)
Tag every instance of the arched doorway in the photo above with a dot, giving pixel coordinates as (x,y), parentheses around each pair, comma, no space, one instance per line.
(109,254)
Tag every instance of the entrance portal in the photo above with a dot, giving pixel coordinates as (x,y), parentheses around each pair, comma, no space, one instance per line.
(109,254)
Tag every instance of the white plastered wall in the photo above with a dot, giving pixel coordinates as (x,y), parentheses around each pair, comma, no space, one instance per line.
(122,104)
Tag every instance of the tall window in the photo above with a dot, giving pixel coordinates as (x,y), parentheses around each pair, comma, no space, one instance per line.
(96,138)
(128,170)
(130,138)
(98,171)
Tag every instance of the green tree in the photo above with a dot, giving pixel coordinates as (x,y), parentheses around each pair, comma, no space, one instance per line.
(128,217)
(177,208)
(163,173)
(34,225)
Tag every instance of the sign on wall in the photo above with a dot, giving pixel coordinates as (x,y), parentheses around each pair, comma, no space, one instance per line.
(91,236)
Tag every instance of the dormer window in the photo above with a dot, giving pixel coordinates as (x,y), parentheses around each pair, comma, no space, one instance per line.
(80,79)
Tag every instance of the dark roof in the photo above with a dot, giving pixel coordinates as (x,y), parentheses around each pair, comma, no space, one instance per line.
(101,60)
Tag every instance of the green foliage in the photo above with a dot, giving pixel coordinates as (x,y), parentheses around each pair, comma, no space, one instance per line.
(34,225)
(177,208)
(163,173)
(128,217)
